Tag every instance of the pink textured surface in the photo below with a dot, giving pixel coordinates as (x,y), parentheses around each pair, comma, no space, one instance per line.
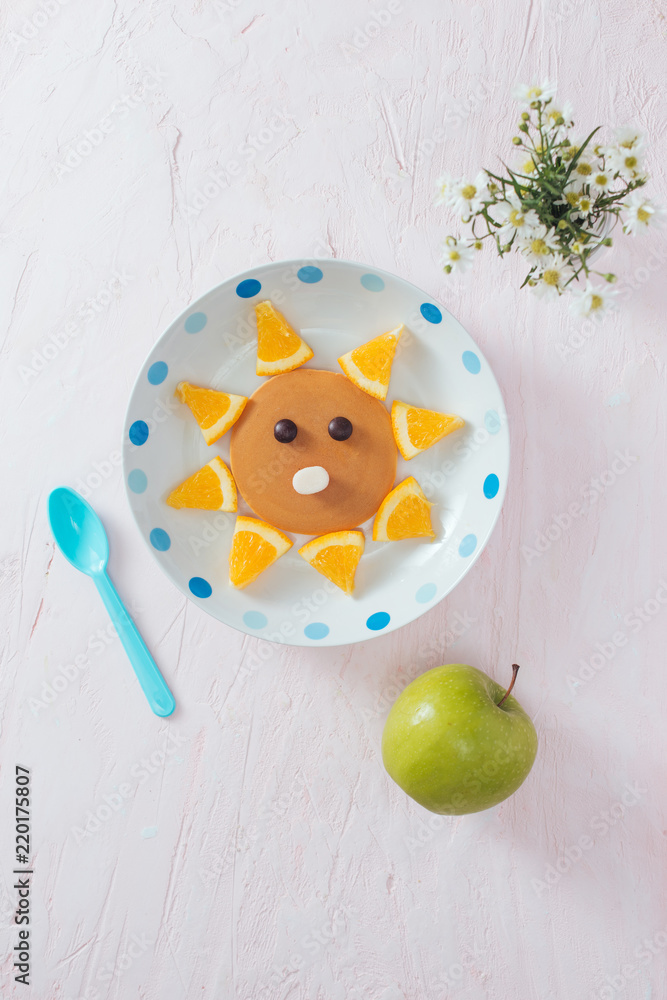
(266,853)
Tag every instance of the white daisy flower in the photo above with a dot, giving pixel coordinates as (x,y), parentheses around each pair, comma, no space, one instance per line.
(514,217)
(629,137)
(556,111)
(527,94)
(583,170)
(551,281)
(538,244)
(584,207)
(457,256)
(626,162)
(571,194)
(640,213)
(592,300)
(444,187)
(525,164)
(600,181)
(467,197)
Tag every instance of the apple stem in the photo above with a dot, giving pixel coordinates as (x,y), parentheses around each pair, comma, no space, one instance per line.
(515,671)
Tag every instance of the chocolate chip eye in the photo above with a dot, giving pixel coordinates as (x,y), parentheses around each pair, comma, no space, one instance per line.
(340,428)
(285,431)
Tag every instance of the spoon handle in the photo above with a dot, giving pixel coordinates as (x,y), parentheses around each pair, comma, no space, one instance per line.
(160,698)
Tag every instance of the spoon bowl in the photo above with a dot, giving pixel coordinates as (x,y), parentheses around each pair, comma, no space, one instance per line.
(78,531)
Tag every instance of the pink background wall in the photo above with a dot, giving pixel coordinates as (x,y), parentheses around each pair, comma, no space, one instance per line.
(265,853)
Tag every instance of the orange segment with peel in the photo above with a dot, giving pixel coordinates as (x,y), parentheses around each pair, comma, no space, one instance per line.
(279,348)
(211,488)
(336,556)
(369,366)
(404,513)
(416,429)
(255,546)
(214,411)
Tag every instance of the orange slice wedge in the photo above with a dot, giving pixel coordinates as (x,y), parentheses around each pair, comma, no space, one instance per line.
(212,488)
(416,429)
(214,411)
(255,546)
(279,348)
(404,513)
(336,556)
(369,366)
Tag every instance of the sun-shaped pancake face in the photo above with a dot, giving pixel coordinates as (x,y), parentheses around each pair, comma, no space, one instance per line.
(312,453)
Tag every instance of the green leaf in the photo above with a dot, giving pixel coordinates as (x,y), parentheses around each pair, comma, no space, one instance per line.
(551,188)
(513,180)
(495,176)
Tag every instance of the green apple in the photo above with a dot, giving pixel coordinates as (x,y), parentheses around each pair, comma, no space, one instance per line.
(457,742)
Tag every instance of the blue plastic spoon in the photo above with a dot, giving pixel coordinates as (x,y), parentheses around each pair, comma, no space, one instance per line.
(81,537)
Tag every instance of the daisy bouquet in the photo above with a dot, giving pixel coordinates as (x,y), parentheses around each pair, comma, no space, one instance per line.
(556,205)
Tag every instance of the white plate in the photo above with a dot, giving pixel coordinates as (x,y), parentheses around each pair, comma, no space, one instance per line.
(337,305)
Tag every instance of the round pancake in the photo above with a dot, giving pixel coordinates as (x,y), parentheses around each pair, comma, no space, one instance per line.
(361,469)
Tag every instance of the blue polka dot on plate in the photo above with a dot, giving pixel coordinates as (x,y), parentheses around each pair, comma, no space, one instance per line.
(195,322)
(492,421)
(255,619)
(426,593)
(309,275)
(139,432)
(160,540)
(200,587)
(316,630)
(430,312)
(137,481)
(468,545)
(157,372)
(471,362)
(372,282)
(491,486)
(378,621)
(246,289)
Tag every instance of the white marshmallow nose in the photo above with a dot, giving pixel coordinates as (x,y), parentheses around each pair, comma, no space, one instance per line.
(312,479)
